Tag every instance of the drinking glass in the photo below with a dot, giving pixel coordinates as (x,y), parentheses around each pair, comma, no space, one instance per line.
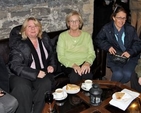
(49,100)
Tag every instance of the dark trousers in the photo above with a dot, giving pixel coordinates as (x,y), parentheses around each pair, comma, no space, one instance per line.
(75,77)
(134,82)
(30,94)
(122,73)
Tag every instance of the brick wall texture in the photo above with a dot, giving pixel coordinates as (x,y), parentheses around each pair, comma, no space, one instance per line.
(51,13)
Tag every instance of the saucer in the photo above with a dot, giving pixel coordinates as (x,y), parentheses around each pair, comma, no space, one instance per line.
(62,98)
(84,88)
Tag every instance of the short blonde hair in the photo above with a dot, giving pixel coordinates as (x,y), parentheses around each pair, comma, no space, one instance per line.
(36,22)
(74,13)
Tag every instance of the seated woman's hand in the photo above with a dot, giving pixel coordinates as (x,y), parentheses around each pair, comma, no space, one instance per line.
(85,68)
(50,69)
(112,51)
(126,54)
(77,69)
(41,74)
(1,94)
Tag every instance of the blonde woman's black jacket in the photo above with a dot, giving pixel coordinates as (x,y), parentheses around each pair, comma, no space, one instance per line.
(106,39)
(20,57)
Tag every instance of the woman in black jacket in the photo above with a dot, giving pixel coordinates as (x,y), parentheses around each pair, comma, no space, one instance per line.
(31,65)
(119,37)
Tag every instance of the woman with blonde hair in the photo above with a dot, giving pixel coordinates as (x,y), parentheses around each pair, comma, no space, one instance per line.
(31,65)
(75,49)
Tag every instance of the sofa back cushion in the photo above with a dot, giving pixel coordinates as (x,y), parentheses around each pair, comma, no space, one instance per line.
(4,50)
(4,78)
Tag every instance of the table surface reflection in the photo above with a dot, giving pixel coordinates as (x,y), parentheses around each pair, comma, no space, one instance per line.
(108,87)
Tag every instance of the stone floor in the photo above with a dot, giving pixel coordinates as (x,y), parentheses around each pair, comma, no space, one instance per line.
(109,74)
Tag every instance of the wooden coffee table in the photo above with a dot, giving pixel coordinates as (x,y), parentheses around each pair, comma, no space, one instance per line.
(108,87)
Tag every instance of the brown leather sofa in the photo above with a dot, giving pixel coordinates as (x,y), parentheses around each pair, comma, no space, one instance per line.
(98,67)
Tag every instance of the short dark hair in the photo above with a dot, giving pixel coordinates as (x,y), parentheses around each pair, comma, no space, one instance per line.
(118,9)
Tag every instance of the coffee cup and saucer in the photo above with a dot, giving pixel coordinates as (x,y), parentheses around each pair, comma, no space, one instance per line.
(59,94)
(87,85)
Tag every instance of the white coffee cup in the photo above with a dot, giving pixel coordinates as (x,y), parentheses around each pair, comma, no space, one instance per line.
(59,93)
(88,84)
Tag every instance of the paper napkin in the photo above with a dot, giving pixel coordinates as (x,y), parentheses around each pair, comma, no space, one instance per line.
(124,102)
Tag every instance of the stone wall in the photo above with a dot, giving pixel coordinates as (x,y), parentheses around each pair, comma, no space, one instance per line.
(51,13)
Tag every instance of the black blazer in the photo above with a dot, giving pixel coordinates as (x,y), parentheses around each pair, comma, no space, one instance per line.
(20,57)
(106,39)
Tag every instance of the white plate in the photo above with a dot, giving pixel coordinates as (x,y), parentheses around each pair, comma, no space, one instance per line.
(71,91)
(125,97)
(84,88)
(62,98)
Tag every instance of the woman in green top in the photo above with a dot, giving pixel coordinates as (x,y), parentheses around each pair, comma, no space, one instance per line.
(75,49)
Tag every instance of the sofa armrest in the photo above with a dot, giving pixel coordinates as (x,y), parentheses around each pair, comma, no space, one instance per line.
(99,65)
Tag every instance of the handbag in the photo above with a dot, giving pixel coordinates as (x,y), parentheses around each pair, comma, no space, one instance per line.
(119,59)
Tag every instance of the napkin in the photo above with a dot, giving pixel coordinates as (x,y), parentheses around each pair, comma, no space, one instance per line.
(124,102)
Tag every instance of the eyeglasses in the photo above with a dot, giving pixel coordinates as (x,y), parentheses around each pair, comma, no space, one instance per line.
(121,18)
(74,21)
